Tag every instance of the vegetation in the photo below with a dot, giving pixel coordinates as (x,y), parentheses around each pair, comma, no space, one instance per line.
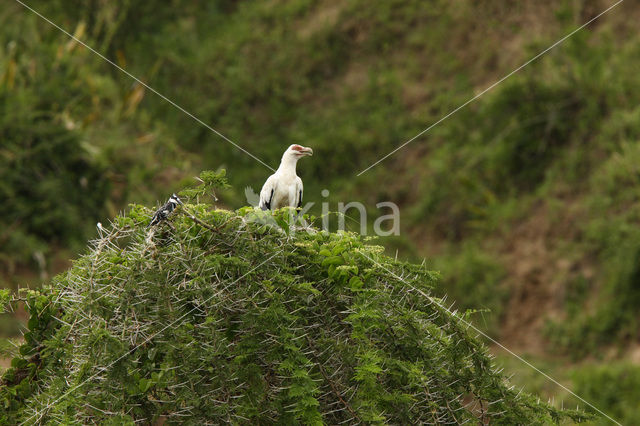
(615,386)
(217,316)
(51,180)
(526,200)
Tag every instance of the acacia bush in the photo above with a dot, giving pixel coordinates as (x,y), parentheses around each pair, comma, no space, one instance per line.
(240,316)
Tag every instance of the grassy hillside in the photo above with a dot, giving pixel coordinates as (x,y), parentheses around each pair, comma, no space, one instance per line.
(526,200)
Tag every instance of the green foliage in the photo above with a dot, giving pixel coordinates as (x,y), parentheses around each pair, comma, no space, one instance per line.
(209,181)
(613,388)
(51,185)
(523,137)
(472,280)
(615,317)
(224,319)
(527,141)
(5,297)
(20,381)
(612,236)
(73,143)
(352,80)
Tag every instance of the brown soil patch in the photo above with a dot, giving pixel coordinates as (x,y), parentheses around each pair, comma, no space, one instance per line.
(529,278)
(326,14)
(634,355)
(537,275)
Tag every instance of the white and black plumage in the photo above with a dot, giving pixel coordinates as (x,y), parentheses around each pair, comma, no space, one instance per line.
(284,187)
(163,212)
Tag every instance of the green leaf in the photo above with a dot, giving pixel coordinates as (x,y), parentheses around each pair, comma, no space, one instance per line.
(333,260)
(338,249)
(355,283)
(144,385)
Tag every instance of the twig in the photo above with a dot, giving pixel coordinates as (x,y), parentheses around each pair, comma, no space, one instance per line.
(333,387)
(198,221)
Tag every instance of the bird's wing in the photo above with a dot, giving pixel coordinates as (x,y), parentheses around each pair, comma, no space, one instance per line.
(299,189)
(160,215)
(266,194)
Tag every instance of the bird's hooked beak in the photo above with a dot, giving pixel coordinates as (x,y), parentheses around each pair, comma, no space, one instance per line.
(306,151)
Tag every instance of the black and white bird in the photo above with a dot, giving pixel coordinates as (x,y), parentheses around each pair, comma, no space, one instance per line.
(284,187)
(163,212)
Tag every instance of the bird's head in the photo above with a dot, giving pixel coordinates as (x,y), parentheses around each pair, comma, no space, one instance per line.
(174,199)
(298,151)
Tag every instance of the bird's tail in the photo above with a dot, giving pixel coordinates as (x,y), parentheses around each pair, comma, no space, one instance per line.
(252,198)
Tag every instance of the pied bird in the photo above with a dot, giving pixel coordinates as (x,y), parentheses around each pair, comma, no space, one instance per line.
(284,187)
(163,212)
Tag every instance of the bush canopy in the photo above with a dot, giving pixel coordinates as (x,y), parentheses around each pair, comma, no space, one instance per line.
(218,316)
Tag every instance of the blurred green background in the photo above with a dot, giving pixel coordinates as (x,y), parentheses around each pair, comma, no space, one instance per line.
(527,201)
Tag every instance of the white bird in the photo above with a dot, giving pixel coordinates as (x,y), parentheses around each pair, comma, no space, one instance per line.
(284,187)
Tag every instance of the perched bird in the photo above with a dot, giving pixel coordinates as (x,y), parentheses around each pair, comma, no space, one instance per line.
(163,212)
(284,187)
